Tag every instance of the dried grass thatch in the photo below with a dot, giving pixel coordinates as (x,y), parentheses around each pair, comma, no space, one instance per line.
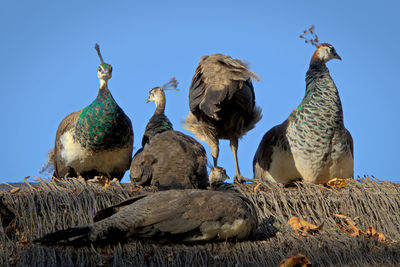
(49,206)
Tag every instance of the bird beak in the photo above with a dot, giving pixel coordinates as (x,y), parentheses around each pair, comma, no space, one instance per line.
(337,57)
(148,100)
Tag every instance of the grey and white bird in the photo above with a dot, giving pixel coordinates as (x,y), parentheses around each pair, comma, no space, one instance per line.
(312,144)
(96,140)
(190,215)
(168,159)
(222,104)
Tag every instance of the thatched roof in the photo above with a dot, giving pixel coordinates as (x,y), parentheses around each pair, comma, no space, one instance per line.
(49,206)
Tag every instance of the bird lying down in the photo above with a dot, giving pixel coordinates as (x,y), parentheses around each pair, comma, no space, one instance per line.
(190,215)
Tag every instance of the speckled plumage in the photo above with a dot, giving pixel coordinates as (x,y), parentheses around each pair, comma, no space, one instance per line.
(103,125)
(312,144)
(222,103)
(97,140)
(190,215)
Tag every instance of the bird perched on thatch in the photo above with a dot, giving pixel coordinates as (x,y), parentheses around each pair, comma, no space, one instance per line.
(222,104)
(191,215)
(168,159)
(97,140)
(312,144)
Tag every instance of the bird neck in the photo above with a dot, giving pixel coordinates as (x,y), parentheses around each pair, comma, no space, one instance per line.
(160,104)
(103,84)
(97,121)
(157,124)
(321,98)
(317,63)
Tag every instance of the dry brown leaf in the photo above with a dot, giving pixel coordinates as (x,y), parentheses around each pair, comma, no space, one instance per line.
(256,187)
(15,190)
(295,261)
(372,233)
(101,180)
(355,231)
(302,227)
(338,182)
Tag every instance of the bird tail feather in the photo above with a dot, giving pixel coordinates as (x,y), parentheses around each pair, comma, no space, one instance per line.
(76,236)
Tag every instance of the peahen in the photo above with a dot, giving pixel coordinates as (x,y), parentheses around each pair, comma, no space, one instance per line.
(168,159)
(97,140)
(313,144)
(190,215)
(222,104)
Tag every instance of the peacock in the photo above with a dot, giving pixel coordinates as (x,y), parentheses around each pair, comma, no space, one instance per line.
(222,104)
(168,159)
(189,216)
(313,144)
(96,140)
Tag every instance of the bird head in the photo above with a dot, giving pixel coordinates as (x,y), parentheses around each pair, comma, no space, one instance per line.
(104,72)
(155,94)
(217,176)
(325,52)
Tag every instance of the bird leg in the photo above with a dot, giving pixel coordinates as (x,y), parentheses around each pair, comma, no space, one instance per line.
(238,176)
(215,152)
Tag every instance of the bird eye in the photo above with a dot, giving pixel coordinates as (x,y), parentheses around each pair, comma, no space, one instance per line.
(99,69)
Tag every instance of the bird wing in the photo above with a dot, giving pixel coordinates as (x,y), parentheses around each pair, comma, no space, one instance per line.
(350,140)
(109,211)
(217,79)
(265,149)
(67,124)
(172,160)
(182,212)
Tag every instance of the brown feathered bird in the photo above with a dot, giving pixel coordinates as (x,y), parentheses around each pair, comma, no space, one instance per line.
(190,215)
(222,104)
(168,159)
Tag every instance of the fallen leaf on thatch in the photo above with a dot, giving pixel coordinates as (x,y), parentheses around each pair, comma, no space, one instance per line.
(355,231)
(302,227)
(338,182)
(371,232)
(23,242)
(134,188)
(296,261)
(15,190)
(101,180)
(256,187)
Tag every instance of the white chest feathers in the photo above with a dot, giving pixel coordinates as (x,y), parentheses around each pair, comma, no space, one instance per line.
(210,230)
(81,159)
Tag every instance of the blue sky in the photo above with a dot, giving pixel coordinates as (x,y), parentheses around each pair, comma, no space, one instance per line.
(48,68)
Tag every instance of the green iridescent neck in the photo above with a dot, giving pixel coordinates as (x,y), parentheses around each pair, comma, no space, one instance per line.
(97,120)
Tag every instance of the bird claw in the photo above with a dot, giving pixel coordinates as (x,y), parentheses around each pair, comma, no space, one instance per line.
(239,179)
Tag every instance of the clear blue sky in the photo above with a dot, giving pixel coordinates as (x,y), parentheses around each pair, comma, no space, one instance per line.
(48,68)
